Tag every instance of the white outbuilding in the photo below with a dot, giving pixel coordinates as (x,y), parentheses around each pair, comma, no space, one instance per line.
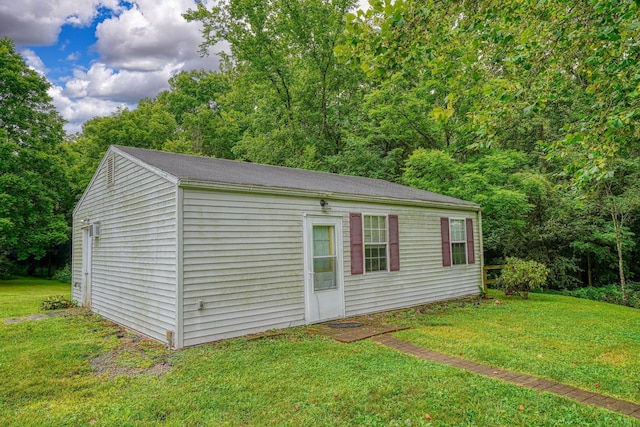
(188,250)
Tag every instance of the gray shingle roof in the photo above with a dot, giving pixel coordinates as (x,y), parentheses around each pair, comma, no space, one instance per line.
(208,169)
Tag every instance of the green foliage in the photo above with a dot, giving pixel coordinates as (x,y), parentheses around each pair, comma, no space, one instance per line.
(34,190)
(289,93)
(610,294)
(521,276)
(57,302)
(556,81)
(6,268)
(364,159)
(27,114)
(64,275)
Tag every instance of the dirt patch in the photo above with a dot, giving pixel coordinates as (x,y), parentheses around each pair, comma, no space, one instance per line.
(134,356)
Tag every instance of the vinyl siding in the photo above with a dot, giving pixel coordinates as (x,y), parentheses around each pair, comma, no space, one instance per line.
(134,259)
(422,278)
(243,258)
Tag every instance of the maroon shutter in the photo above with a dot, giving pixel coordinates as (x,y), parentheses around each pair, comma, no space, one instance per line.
(394,244)
(471,250)
(355,235)
(446,242)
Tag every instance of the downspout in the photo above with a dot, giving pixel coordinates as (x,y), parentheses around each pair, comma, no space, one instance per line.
(179,321)
(484,285)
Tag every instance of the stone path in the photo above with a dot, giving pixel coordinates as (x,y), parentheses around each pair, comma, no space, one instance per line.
(34,317)
(353,334)
(627,408)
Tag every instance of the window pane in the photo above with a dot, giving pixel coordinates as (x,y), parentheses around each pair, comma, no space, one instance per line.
(322,264)
(457,230)
(459,253)
(322,240)
(375,229)
(375,258)
(324,278)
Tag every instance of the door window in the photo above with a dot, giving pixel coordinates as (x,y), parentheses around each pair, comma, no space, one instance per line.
(324,258)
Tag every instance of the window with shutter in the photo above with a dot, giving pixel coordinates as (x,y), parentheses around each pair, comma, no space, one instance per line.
(457,241)
(375,244)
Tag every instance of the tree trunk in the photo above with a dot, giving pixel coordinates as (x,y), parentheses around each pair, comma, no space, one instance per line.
(589,272)
(618,229)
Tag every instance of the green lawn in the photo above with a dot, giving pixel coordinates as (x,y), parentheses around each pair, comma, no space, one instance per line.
(295,379)
(590,345)
(22,296)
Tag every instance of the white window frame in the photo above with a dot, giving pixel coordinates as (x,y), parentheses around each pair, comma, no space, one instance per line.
(365,243)
(463,241)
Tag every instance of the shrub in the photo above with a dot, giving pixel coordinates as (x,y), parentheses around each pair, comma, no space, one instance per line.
(63,275)
(56,302)
(6,268)
(520,276)
(610,294)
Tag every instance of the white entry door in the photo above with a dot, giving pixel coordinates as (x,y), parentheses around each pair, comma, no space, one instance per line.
(324,287)
(87,251)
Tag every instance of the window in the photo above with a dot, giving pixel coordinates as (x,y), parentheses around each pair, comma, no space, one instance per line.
(457,241)
(375,243)
(324,258)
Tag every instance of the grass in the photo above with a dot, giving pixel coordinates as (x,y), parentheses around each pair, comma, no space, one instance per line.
(290,380)
(587,344)
(22,296)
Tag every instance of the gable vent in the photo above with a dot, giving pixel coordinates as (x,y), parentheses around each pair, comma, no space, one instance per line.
(111,170)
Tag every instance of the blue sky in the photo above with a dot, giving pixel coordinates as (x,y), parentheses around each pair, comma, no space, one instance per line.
(101,55)
(73,49)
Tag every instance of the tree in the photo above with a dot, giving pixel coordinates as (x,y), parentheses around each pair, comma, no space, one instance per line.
(198,101)
(34,190)
(291,96)
(27,114)
(556,80)
(619,196)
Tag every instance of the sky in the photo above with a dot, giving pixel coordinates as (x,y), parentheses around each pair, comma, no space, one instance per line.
(101,55)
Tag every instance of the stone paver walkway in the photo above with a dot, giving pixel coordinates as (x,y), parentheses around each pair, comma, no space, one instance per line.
(627,408)
(32,317)
(354,334)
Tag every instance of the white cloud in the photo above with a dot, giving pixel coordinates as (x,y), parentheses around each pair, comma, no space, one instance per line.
(34,61)
(38,22)
(125,86)
(74,56)
(78,111)
(147,36)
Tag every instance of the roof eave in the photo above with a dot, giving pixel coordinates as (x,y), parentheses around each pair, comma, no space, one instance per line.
(292,192)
